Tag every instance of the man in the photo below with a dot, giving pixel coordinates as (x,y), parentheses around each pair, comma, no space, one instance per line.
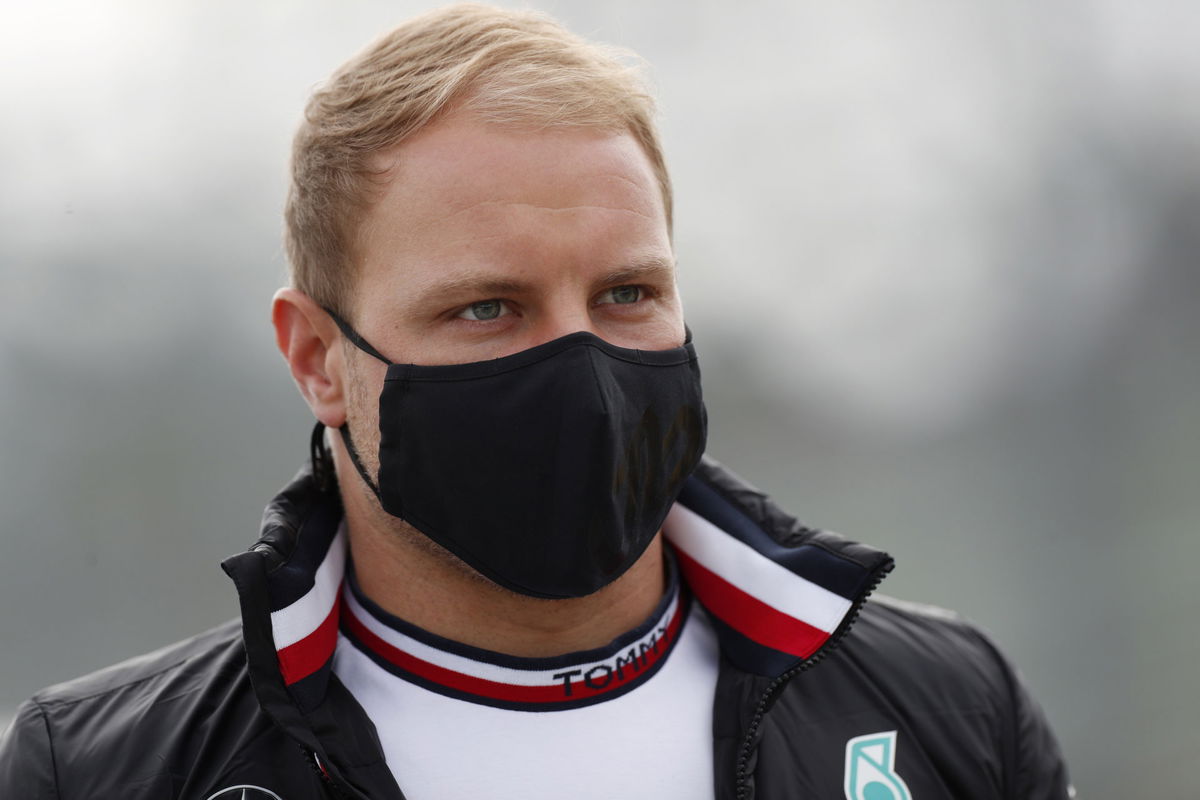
(510,572)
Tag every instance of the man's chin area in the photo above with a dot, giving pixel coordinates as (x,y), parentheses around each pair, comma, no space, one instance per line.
(433,554)
(439,558)
(431,551)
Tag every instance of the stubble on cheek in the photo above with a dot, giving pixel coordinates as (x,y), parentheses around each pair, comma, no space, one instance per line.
(362,411)
(362,418)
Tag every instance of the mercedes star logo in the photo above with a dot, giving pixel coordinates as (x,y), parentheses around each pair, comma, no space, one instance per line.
(245,792)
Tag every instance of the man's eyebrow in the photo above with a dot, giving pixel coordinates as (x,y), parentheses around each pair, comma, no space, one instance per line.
(485,285)
(646,269)
(470,284)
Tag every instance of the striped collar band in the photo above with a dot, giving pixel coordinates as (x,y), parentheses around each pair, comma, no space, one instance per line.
(524,684)
(777,592)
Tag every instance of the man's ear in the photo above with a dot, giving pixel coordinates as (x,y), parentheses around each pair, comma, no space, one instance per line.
(308,340)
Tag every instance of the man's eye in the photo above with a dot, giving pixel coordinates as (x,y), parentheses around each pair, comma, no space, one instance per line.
(622,294)
(484,310)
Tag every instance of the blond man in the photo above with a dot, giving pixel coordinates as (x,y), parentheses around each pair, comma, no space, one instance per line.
(508,569)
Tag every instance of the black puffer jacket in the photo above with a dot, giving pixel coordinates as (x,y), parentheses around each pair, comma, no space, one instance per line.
(883,700)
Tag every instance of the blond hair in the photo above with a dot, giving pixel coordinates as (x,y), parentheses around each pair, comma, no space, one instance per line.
(504,67)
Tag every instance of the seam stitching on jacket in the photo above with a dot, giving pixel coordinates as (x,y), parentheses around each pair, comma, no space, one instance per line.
(1011,782)
(61,702)
(49,746)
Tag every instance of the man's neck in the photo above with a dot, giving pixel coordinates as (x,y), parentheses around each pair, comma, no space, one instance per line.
(409,576)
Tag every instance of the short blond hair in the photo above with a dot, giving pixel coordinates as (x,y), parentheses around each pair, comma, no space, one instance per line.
(505,67)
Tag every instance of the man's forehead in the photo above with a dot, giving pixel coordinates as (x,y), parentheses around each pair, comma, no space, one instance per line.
(469,208)
(464,163)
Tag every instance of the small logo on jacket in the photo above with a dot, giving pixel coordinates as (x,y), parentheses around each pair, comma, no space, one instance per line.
(871,768)
(245,792)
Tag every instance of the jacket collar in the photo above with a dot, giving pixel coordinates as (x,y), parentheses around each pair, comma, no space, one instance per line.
(779,593)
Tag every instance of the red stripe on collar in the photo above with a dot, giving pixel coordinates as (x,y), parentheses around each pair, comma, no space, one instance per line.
(303,658)
(570,685)
(753,618)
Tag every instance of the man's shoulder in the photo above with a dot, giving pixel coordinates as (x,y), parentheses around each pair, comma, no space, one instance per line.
(919,628)
(932,654)
(936,688)
(136,721)
(905,666)
(214,654)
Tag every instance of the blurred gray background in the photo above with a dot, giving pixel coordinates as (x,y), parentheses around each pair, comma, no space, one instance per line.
(940,260)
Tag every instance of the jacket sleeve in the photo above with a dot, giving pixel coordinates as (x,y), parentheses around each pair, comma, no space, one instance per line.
(1040,770)
(1036,767)
(27,757)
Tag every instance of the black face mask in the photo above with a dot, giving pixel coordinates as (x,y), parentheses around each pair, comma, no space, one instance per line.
(548,471)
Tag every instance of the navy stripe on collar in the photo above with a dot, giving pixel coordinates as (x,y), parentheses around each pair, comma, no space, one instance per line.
(560,683)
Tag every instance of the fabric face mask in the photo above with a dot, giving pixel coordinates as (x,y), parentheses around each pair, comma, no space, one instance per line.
(548,471)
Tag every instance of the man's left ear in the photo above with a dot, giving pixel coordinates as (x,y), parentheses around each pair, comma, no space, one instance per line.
(307,338)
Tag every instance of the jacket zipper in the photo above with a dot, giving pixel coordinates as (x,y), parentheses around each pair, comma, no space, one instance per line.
(741,789)
(325,777)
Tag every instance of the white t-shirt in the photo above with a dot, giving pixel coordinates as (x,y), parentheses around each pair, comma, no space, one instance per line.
(457,722)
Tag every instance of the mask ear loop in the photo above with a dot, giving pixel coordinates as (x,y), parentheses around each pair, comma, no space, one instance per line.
(344,429)
(354,337)
(357,462)
(322,459)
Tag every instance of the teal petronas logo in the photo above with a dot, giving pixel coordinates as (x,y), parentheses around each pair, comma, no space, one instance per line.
(871,768)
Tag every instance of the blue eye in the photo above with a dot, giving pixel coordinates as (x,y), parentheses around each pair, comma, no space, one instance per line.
(622,295)
(484,310)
